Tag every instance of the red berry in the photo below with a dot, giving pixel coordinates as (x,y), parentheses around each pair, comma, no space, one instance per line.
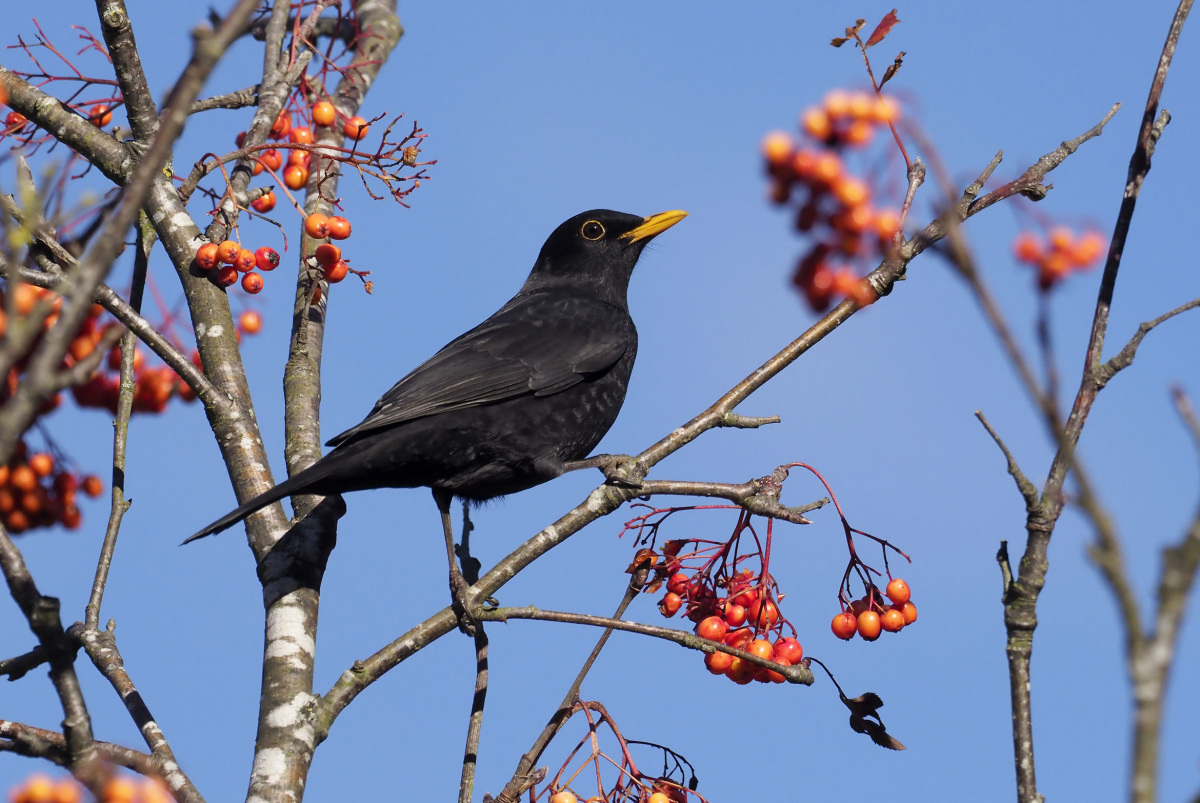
(266,258)
(898,591)
(788,649)
(250,320)
(892,620)
(252,283)
(15,120)
(227,252)
(845,625)
(713,628)
(735,615)
(336,272)
(225,276)
(669,605)
(282,125)
(295,177)
(869,625)
(355,128)
(328,254)
(99,115)
(324,114)
(264,204)
(339,227)
(678,583)
(207,256)
(272,159)
(245,260)
(317,225)
(92,485)
(718,662)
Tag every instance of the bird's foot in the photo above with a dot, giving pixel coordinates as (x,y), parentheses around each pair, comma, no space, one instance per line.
(458,602)
(621,470)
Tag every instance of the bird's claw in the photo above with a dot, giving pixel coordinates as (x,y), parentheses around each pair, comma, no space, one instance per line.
(467,622)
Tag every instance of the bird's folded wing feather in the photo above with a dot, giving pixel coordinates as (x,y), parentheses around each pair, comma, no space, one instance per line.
(539,347)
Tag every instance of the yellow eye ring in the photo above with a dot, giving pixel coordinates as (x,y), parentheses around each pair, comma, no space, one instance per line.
(592,230)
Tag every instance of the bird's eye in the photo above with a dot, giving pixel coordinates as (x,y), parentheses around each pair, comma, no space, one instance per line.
(592,230)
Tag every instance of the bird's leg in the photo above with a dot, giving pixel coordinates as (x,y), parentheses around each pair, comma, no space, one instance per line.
(613,467)
(458,585)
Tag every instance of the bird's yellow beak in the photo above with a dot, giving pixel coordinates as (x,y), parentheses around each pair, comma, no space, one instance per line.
(655,224)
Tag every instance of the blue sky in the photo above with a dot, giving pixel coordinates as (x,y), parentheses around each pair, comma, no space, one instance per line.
(538,111)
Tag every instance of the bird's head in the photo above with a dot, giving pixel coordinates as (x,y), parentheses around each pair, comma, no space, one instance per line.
(594,253)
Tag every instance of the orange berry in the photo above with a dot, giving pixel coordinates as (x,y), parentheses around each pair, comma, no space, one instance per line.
(713,628)
(739,638)
(845,625)
(301,135)
(803,163)
(38,788)
(99,115)
(272,158)
(264,204)
(119,789)
(851,191)
(25,298)
(718,663)
(245,260)
(910,613)
(670,603)
(257,168)
(207,256)
(1062,239)
(251,322)
(788,649)
(299,157)
(861,105)
(1028,247)
(564,796)
(23,478)
(777,148)
(859,133)
(658,797)
(316,225)
(266,258)
(295,177)
(898,591)
(855,220)
(355,128)
(869,625)
(339,227)
(816,123)
(761,648)
(282,125)
(224,276)
(324,113)
(837,103)
(887,225)
(42,464)
(336,272)
(886,110)
(762,614)
(327,254)
(741,672)
(227,252)
(1090,247)
(735,615)
(892,620)
(827,168)
(252,283)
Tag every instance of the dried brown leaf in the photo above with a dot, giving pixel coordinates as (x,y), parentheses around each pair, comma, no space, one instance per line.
(892,68)
(883,28)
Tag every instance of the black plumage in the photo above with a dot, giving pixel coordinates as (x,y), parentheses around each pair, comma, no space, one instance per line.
(510,403)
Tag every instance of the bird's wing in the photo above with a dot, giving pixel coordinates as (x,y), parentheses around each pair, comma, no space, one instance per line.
(539,345)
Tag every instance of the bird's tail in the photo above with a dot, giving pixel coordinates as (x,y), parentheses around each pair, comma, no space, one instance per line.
(299,483)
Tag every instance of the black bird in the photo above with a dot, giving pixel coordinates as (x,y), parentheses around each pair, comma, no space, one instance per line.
(514,402)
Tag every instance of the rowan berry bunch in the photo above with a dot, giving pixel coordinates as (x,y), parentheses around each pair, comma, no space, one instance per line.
(833,207)
(870,614)
(726,589)
(1059,253)
(120,788)
(676,783)
(40,490)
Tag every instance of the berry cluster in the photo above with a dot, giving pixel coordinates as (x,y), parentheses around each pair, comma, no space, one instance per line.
(328,256)
(226,260)
(735,606)
(118,789)
(37,491)
(833,206)
(871,614)
(672,795)
(1060,253)
(299,161)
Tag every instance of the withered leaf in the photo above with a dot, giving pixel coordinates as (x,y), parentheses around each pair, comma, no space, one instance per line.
(892,68)
(883,28)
